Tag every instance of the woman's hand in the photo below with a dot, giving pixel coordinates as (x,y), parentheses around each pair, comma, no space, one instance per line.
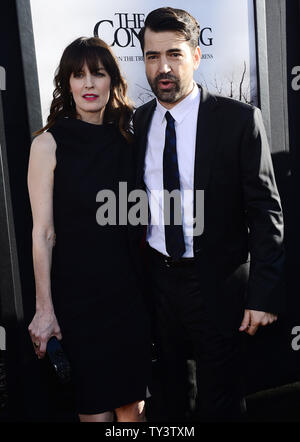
(43,326)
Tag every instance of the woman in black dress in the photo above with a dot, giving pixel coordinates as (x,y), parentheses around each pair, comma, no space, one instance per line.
(87,292)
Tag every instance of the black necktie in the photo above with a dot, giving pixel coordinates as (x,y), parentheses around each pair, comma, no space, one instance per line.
(175,245)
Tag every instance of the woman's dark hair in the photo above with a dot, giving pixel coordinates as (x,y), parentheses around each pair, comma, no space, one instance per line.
(170,19)
(90,51)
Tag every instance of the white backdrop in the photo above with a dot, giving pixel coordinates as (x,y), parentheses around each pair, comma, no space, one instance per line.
(228,64)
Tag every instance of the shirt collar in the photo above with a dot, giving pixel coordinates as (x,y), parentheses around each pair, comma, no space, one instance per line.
(181,109)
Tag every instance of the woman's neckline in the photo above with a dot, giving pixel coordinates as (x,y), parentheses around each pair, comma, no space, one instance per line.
(87,123)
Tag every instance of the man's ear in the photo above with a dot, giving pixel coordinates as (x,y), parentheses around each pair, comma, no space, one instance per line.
(197,57)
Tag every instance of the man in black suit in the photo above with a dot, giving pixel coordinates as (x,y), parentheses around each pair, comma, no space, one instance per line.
(206,288)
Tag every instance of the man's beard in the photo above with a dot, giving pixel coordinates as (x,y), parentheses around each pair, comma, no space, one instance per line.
(167,96)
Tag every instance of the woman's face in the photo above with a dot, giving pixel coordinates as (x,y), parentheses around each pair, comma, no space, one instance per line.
(90,91)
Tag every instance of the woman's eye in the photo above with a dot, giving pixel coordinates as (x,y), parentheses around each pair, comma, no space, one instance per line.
(78,75)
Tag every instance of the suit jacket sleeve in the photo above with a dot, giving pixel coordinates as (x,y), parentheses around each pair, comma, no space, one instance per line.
(265,290)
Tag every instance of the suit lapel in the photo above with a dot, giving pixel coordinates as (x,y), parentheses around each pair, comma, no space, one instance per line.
(208,128)
(206,139)
(143,125)
(206,144)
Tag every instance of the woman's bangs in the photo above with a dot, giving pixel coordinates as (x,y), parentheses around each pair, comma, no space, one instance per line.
(91,56)
(94,57)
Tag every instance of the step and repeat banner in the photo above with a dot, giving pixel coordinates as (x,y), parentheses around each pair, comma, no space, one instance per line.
(227,41)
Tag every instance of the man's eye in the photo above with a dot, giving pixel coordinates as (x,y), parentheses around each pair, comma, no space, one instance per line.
(152,57)
(175,54)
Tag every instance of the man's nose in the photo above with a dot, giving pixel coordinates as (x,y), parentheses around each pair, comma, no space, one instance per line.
(164,66)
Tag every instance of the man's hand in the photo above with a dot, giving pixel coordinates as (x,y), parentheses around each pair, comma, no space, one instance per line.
(253,319)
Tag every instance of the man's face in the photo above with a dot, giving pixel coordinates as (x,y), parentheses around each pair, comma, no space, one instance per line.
(170,63)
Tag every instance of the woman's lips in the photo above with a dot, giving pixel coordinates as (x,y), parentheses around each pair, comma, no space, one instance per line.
(90,97)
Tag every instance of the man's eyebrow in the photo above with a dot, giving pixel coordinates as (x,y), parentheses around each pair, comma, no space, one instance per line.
(152,53)
(174,50)
(168,51)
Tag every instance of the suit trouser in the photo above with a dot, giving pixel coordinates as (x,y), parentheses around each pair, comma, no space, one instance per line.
(185,328)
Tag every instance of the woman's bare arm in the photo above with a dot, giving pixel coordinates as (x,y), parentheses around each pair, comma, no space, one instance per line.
(42,163)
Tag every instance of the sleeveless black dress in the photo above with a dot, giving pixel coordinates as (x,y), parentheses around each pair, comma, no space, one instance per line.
(95,292)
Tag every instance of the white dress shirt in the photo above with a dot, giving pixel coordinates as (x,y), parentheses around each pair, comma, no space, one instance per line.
(185,115)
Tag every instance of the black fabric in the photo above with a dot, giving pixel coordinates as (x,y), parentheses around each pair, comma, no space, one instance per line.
(242,209)
(174,238)
(203,308)
(95,291)
(185,330)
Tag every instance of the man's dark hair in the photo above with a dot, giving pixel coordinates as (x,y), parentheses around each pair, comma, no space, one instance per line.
(170,19)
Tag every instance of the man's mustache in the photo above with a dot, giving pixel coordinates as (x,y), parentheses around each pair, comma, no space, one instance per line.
(166,77)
